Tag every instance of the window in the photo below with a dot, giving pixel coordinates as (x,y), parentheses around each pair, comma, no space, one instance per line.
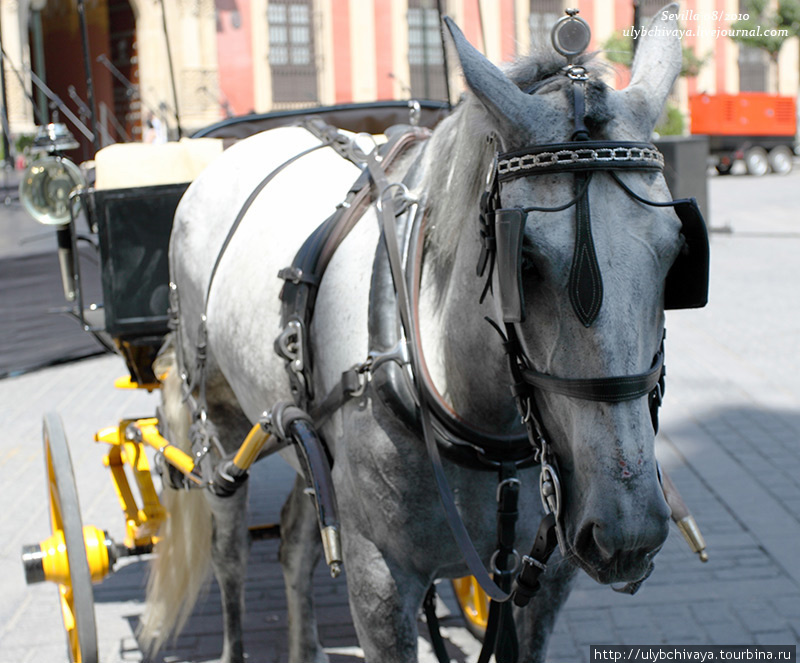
(753,69)
(291,52)
(753,62)
(425,58)
(543,16)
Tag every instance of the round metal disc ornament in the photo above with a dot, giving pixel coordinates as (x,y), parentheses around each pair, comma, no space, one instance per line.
(571,35)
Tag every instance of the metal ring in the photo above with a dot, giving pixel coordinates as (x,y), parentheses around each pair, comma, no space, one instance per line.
(550,470)
(355,152)
(404,191)
(364,377)
(493,564)
(577,73)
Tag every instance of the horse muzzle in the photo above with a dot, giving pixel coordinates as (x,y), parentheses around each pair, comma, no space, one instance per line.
(613,546)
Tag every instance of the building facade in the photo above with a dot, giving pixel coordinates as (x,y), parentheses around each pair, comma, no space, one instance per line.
(188,63)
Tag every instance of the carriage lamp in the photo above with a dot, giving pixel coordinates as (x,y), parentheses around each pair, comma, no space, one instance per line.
(46,188)
(48,181)
(571,35)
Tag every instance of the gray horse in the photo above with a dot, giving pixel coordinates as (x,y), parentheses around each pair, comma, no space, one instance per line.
(395,535)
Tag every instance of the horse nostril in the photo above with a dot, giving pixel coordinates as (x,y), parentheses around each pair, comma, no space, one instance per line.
(606,545)
(592,542)
(603,542)
(587,546)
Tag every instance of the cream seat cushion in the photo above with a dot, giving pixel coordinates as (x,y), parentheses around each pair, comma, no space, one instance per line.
(126,165)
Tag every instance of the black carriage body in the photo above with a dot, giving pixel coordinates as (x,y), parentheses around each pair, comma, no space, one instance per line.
(134,226)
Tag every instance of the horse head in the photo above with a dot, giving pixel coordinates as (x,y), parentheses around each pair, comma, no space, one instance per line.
(592,290)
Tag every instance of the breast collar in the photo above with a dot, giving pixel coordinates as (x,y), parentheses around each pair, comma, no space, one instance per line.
(400,391)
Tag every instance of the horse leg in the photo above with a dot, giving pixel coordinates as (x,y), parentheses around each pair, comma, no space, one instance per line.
(384,602)
(300,551)
(230,540)
(536,621)
(229,549)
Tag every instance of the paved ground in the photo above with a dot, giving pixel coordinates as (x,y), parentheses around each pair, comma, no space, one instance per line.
(730,439)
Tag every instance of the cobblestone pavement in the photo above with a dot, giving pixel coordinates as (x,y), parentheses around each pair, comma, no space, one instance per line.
(730,439)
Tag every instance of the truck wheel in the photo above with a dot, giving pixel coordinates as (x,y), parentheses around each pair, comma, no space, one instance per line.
(780,160)
(756,161)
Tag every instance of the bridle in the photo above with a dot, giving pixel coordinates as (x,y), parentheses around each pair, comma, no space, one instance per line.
(500,262)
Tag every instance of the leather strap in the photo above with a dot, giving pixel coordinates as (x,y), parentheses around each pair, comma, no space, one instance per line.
(437,641)
(585,280)
(501,634)
(580,131)
(386,218)
(606,390)
(533,564)
(305,274)
(250,199)
(199,380)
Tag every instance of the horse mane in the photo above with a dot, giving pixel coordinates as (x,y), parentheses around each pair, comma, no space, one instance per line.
(462,147)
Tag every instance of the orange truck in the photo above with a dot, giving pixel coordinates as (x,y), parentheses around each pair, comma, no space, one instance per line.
(756,127)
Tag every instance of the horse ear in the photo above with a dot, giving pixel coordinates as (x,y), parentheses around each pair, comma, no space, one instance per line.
(657,63)
(501,97)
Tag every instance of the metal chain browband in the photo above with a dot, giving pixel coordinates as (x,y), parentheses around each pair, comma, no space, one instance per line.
(589,155)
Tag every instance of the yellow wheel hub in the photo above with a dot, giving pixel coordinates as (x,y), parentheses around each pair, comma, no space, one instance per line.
(474,604)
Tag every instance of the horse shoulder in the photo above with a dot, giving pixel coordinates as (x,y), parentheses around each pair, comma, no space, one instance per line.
(244,306)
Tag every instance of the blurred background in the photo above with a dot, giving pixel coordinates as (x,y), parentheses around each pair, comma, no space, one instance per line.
(164,68)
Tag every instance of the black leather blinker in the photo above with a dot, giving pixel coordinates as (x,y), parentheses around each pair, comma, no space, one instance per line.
(509,229)
(687,280)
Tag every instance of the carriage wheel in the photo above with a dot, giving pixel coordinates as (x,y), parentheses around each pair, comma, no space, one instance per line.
(473,603)
(77,599)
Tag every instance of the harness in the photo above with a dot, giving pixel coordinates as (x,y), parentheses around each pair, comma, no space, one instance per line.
(395,368)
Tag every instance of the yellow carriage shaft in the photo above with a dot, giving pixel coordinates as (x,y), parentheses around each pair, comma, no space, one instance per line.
(147,431)
(127,448)
(142,520)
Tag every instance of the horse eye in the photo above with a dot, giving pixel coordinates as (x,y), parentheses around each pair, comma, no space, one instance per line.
(529,259)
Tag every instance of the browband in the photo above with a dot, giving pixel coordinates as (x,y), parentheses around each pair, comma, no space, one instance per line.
(579,156)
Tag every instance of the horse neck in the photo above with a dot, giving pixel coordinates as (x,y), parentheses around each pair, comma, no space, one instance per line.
(464,353)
